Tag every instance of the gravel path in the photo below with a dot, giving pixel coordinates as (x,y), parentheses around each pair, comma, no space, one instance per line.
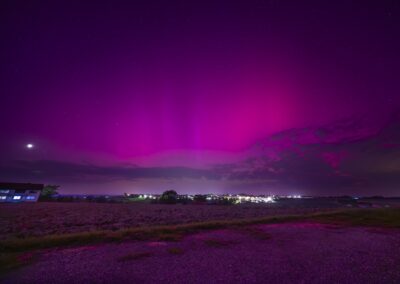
(280,253)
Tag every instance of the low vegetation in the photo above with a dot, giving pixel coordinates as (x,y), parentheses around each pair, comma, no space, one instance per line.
(135,256)
(20,251)
(10,261)
(256,233)
(175,251)
(169,237)
(217,243)
(361,217)
(58,218)
(388,217)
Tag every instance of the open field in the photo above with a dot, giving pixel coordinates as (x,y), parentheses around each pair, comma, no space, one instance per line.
(39,219)
(258,244)
(294,252)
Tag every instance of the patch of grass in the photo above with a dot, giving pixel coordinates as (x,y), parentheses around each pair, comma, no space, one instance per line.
(217,243)
(381,217)
(135,256)
(169,237)
(387,217)
(175,251)
(256,233)
(11,261)
(26,244)
(166,233)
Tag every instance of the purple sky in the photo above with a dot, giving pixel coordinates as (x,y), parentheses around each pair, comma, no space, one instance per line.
(189,84)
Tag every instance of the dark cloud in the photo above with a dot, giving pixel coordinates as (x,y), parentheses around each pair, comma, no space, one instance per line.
(65,171)
(347,159)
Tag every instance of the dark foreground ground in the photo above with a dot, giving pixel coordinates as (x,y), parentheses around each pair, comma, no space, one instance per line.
(45,218)
(296,252)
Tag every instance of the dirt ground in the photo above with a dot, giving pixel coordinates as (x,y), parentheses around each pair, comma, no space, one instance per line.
(275,253)
(38,219)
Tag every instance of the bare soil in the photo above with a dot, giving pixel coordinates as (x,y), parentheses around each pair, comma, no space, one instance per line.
(292,253)
(39,219)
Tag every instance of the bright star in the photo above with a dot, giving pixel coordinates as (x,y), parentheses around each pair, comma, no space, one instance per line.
(29,146)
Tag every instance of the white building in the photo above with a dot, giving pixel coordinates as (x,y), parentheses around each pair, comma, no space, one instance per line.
(20,192)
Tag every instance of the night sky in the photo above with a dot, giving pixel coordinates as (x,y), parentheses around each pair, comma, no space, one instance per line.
(284,97)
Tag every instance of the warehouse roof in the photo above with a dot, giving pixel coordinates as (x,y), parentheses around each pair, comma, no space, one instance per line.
(21,186)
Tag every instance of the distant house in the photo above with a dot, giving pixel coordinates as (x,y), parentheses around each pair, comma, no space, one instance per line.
(20,192)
